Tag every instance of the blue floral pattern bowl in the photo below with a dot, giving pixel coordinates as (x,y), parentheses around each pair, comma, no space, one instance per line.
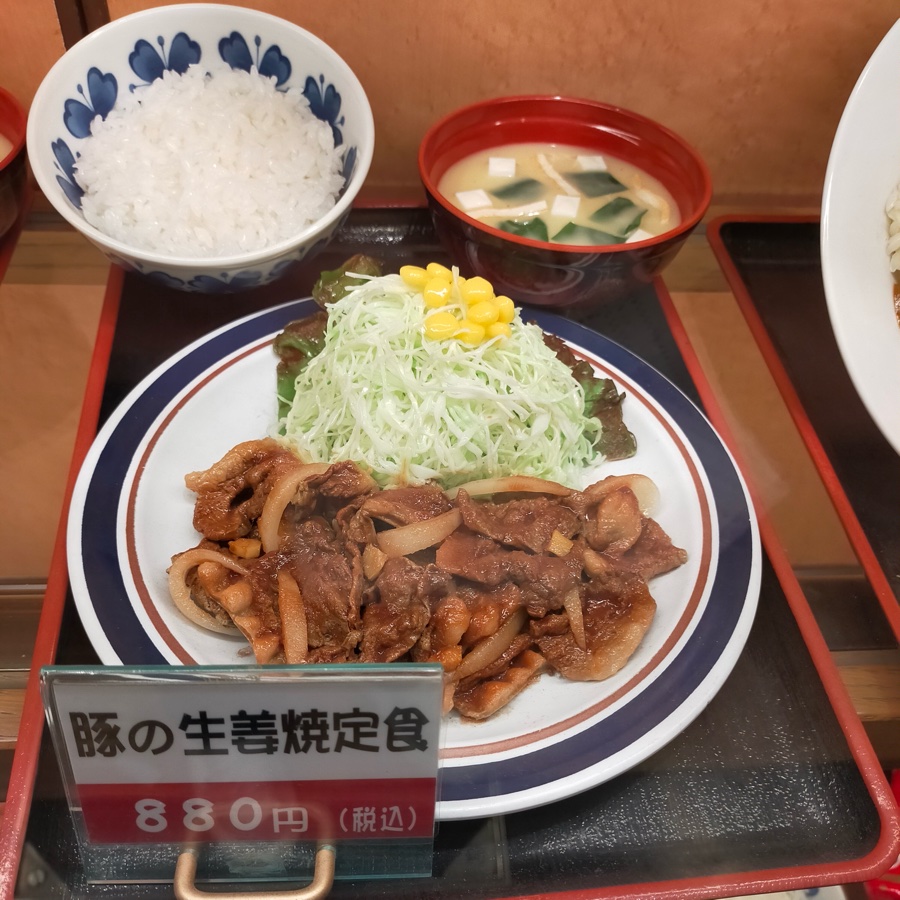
(135,50)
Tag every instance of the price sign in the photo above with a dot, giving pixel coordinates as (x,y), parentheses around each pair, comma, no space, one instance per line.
(174,755)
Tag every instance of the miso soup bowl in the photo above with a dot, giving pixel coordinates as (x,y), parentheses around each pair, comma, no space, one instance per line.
(547,274)
(129,53)
(12,160)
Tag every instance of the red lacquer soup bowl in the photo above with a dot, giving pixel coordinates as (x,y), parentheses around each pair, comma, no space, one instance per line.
(544,273)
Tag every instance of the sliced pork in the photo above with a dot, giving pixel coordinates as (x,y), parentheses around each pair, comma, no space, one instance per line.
(331,587)
(616,615)
(316,563)
(398,608)
(524,524)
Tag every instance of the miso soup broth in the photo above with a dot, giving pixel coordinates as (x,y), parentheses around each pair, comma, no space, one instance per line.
(562,194)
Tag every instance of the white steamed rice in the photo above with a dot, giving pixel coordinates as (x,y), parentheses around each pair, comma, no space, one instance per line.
(208,166)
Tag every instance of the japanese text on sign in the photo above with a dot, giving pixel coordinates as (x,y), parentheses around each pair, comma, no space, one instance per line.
(246,758)
(200,734)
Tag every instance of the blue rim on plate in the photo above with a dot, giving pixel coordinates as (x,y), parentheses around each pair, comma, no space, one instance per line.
(474,784)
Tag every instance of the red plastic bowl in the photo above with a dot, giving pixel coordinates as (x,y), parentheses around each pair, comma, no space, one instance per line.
(561,275)
(12,164)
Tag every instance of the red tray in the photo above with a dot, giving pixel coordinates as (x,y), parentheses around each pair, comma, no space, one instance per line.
(577,848)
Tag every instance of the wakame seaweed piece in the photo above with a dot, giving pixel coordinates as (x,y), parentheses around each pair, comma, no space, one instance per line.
(602,401)
(584,236)
(595,184)
(523,189)
(333,284)
(295,346)
(619,216)
(536,229)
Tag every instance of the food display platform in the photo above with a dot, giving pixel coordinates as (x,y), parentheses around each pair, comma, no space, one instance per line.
(773,786)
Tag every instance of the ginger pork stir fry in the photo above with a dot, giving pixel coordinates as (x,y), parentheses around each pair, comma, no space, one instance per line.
(499,581)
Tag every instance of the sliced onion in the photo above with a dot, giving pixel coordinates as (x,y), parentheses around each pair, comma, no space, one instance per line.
(511,484)
(491,648)
(418,535)
(282,493)
(447,697)
(294,633)
(596,564)
(265,646)
(181,593)
(572,604)
(643,487)
(449,622)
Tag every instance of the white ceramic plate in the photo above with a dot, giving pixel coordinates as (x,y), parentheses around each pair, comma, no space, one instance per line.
(131,512)
(863,169)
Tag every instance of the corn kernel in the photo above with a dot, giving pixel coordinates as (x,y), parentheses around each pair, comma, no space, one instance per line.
(498,329)
(436,292)
(476,289)
(506,308)
(484,313)
(436,270)
(470,332)
(440,325)
(414,276)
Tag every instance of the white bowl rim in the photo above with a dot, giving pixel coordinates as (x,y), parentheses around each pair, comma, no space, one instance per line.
(351,189)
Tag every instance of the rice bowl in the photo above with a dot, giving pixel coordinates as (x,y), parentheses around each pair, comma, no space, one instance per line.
(119,62)
(154,163)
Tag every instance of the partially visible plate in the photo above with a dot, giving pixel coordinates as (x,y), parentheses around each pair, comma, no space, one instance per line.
(131,512)
(863,169)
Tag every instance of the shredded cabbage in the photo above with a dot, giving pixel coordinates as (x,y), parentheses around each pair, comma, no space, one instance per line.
(410,409)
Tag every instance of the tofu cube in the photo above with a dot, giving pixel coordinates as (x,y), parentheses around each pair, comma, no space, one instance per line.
(473,199)
(592,163)
(501,166)
(565,206)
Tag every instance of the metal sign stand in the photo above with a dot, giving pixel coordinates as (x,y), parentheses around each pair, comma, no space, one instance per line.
(319,887)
